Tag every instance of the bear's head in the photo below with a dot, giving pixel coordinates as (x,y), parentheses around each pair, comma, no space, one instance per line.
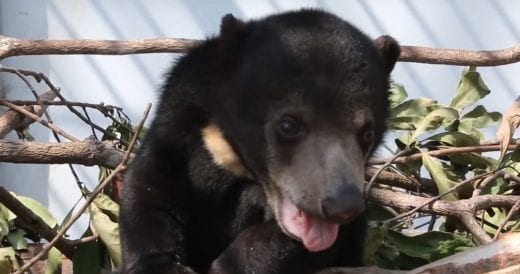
(302,104)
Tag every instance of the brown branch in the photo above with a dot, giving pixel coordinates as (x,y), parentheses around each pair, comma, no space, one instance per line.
(121,167)
(33,223)
(88,153)
(401,181)
(16,47)
(460,57)
(439,153)
(461,209)
(12,119)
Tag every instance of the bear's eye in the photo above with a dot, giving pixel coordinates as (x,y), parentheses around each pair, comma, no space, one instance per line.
(288,127)
(366,136)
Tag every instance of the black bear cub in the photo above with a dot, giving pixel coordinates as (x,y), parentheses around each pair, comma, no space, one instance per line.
(255,160)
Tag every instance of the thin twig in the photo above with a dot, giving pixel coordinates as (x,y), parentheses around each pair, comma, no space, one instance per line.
(441,152)
(121,167)
(510,215)
(39,120)
(381,169)
(101,107)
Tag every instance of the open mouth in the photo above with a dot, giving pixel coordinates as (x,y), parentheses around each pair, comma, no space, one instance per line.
(315,232)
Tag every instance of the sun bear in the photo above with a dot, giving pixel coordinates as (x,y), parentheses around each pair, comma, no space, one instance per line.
(254,162)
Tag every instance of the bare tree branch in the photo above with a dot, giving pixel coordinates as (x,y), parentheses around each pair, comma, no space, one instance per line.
(461,209)
(88,153)
(460,57)
(440,152)
(397,180)
(15,47)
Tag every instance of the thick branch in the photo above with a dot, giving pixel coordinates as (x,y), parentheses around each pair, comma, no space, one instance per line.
(28,220)
(461,209)
(15,47)
(460,57)
(89,153)
(397,180)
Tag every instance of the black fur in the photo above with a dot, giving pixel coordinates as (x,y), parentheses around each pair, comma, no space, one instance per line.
(181,212)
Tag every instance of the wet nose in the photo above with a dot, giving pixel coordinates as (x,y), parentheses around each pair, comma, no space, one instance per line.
(343,204)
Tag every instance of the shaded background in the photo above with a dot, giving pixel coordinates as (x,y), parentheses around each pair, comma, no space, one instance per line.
(132,81)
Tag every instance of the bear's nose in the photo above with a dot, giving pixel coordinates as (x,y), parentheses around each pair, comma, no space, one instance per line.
(343,204)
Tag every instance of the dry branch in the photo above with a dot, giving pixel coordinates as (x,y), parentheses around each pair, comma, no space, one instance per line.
(401,181)
(463,210)
(16,47)
(88,153)
(460,57)
(441,152)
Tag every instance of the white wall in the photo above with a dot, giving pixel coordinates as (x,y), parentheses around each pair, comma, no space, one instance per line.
(131,81)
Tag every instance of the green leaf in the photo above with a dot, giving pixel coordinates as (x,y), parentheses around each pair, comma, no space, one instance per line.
(455,138)
(433,245)
(374,240)
(87,257)
(404,122)
(480,118)
(38,209)
(434,119)
(108,232)
(385,256)
(468,128)
(104,202)
(8,214)
(16,239)
(397,94)
(4,224)
(413,107)
(515,155)
(497,186)
(499,215)
(53,263)
(8,261)
(471,89)
(442,175)
(474,159)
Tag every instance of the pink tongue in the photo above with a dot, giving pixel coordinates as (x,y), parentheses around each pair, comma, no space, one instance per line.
(315,233)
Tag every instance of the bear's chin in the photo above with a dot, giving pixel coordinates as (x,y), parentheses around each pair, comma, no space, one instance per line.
(316,233)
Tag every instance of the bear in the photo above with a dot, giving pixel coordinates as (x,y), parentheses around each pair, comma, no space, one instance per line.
(255,159)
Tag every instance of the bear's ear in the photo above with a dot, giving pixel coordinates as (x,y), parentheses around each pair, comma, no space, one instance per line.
(230,25)
(230,42)
(389,50)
